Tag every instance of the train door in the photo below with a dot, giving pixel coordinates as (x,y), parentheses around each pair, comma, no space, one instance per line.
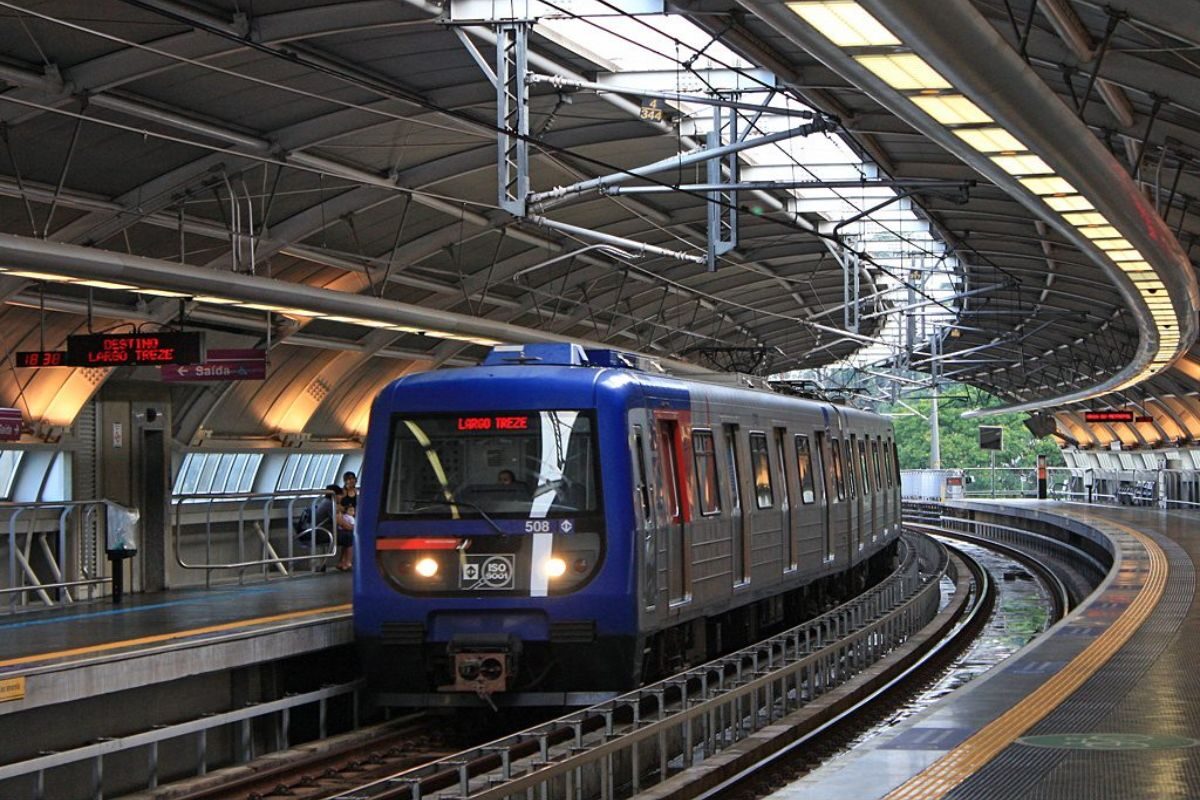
(670,466)
(885,499)
(853,516)
(866,520)
(839,515)
(825,468)
(787,532)
(740,543)
(646,518)
(811,501)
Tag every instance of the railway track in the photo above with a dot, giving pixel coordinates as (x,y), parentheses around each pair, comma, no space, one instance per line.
(704,714)
(811,751)
(648,736)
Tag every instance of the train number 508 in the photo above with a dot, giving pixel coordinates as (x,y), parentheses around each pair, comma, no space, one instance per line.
(537,526)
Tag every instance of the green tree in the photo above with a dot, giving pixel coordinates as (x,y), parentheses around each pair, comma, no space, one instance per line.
(960,437)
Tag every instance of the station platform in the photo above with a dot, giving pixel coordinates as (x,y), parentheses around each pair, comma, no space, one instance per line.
(89,650)
(1106,704)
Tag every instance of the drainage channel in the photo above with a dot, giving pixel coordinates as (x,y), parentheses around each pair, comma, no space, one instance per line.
(637,741)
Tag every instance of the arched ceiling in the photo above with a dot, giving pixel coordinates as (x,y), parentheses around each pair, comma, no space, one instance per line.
(351,146)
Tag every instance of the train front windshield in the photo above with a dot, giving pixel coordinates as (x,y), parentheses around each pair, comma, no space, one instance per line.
(536,464)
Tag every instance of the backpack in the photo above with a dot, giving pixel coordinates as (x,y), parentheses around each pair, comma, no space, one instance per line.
(304,520)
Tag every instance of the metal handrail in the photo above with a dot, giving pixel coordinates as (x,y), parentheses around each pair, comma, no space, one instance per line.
(200,727)
(71,519)
(255,520)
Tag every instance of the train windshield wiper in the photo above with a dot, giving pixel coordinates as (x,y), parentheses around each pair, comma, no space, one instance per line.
(441,501)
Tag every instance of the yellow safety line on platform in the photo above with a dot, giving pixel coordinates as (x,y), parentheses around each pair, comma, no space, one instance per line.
(969,757)
(166,637)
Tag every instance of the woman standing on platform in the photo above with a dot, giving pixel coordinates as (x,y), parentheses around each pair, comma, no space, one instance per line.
(345,532)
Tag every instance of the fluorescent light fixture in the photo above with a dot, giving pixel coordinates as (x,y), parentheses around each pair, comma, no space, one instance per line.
(904,71)
(1071,203)
(1100,232)
(990,140)
(1124,255)
(39,276)
(1022,165)
(1086,218)
(845,23)
(216,301)
(951,109)
(1112,244)
(1135,266)
(102,284)
(1048,185)
(162,293)
(366,323)
(261,307)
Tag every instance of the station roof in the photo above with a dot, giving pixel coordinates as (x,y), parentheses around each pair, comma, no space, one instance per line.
(351,146)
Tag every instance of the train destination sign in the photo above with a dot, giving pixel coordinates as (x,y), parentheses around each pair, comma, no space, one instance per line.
(132,349)
(41,358)
(496,423)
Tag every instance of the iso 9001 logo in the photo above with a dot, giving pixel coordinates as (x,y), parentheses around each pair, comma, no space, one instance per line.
(488,572)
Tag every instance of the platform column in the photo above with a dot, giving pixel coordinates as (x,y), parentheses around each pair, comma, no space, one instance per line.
(1042,482)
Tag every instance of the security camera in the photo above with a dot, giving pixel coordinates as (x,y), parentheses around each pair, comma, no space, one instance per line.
(151,414)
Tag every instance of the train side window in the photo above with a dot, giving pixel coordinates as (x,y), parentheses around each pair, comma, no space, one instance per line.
(822,448)
(878,469)
(667,455)
(839,474)
(866,468)
(760,462)
(705,458)
(895,461)
(850,469)
(639,468)
(804,470)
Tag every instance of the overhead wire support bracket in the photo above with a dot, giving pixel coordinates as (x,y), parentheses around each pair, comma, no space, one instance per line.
(638,248)
(561,82)
(818,125)
(512,116)
(722,203)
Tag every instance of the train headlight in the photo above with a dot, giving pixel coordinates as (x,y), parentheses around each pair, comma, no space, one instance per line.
(555,567)
(426,567)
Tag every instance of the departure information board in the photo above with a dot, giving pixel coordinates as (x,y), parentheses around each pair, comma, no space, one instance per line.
(1108,416)
(132,349)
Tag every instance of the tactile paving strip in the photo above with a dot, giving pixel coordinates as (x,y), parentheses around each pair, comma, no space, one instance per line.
(1148,687)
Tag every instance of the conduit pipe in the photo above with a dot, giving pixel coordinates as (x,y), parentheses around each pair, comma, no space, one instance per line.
(87,263)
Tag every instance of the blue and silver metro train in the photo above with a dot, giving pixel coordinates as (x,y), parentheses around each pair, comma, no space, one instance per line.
(558,525)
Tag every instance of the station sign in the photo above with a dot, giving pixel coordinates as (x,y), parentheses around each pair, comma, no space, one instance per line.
(221,365)
(134,349)
(10,424)
(41,358)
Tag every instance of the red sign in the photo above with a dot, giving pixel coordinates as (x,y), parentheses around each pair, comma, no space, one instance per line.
(493,423)
(10,424)
(221,365)
(42,358)
(1108,416)
(130,349)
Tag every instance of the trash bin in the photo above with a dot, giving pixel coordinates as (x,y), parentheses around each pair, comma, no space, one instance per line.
(120,543)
